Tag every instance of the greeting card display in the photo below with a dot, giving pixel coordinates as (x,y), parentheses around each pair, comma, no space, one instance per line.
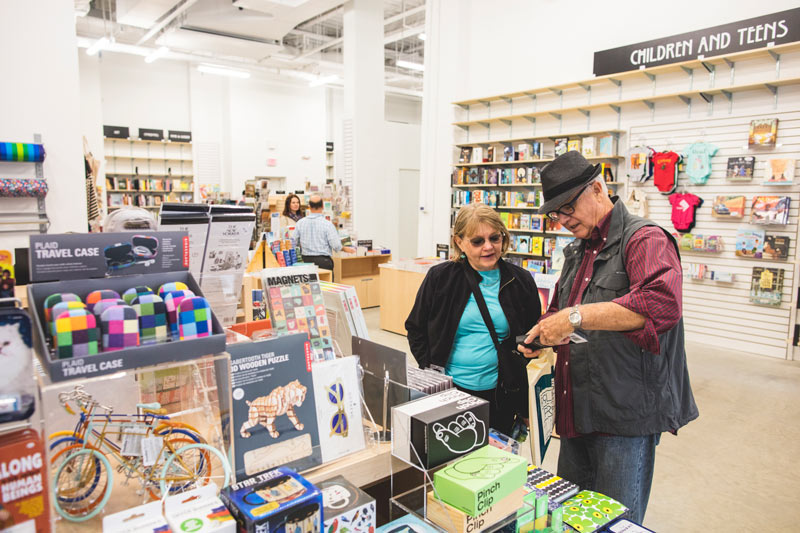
(337,391)
(274,405)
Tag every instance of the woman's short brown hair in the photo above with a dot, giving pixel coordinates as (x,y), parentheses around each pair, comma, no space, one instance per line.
(468,219)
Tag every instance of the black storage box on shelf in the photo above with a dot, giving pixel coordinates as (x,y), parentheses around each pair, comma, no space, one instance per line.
(149,134)
(116,132)
(116,261)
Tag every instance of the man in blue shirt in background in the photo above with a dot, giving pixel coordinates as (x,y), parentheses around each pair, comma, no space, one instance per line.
(317,236)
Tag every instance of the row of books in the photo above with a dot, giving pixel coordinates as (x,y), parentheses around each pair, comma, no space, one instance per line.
(539,266)
(531,199)
(144,200)
(510,176)
(141,184)
(533,245)
(592,146)
(756,244)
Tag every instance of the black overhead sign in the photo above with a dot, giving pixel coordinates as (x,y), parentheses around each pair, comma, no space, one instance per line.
(768,30)
(146,134)
(180,136)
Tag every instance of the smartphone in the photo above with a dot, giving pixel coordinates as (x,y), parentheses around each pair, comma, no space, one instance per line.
(533,345)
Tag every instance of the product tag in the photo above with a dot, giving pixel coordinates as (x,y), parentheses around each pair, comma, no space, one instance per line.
(152,449)
(577,338)
(132,435)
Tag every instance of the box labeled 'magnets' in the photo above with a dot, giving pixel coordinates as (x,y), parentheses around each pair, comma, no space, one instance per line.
(480,479)
(276,500)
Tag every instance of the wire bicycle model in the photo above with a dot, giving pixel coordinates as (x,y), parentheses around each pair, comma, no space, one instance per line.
(166,457)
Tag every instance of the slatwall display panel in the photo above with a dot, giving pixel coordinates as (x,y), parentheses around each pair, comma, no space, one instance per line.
(717,312)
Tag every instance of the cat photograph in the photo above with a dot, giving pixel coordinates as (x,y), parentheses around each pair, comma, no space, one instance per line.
(16,378)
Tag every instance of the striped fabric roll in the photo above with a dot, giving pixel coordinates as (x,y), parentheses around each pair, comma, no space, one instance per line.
(21,152)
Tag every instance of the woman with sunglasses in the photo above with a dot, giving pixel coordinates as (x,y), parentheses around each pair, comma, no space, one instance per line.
(447,326)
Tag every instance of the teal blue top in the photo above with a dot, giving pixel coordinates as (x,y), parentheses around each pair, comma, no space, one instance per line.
(473,358)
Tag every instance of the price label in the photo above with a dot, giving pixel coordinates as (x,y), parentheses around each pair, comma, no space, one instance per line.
(132,435)
(152,450)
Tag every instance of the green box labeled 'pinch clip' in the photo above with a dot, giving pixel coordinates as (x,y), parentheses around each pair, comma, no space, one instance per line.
(479,479)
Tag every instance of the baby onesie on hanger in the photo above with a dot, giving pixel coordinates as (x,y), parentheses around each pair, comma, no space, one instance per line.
(684,208)
(665,171)
(698,161)
(640,166)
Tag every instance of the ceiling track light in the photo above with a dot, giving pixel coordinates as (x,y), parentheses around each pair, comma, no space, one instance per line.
(410,65)
(222,71)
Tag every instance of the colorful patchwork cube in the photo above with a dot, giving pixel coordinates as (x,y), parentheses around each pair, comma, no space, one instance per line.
(173,300)
(102,305)
(76,334)
(63,307)
(54,299)
(103,294)
(120,327)
(172,286)
(134,292)
(152,311)
(194,318)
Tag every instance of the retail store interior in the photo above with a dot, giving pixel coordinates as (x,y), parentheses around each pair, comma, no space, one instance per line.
(278,186)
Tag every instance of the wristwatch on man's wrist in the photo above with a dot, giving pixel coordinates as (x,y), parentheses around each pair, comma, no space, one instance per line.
(575,317)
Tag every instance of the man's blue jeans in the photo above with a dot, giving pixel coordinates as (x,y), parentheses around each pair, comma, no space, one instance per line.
(619,467)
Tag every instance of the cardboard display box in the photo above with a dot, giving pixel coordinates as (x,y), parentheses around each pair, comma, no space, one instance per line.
(438,428)
(476,481)
(346,506)
(454,520)
(275,500)
(199,511)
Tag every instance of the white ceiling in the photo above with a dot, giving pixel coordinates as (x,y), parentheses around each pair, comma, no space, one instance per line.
(295,38)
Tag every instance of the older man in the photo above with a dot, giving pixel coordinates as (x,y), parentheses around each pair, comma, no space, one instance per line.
(620,289)
(317,236)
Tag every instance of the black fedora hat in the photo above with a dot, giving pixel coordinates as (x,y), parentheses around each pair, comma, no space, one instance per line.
(562,178)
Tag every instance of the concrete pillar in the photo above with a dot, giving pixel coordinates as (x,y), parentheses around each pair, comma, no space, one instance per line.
(364,105)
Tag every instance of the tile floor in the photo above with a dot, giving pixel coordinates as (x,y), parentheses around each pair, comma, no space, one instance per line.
(737,467)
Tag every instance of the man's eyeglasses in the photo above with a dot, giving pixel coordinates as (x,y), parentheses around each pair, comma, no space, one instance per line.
(497,238)
(568,208)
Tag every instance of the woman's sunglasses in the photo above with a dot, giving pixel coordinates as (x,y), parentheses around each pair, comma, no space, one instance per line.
(497,238)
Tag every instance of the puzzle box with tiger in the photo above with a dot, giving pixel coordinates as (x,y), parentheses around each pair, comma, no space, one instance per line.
(274,409)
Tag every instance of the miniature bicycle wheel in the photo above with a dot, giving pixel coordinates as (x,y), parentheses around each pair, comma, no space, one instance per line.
(173,443)
(61,439)
(194,465)
(82,484)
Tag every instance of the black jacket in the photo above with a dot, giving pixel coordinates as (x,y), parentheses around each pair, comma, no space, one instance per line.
(441,301)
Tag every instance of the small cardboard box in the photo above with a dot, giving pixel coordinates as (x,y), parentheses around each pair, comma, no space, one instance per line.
(139,519)
(453,520)
(199,511)
(438,428)
(353,508)
(476,481)
(276,500)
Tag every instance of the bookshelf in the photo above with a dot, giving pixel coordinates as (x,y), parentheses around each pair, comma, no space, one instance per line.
(147,173)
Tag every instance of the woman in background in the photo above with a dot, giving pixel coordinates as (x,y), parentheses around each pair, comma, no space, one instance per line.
(291,211)
(446,326)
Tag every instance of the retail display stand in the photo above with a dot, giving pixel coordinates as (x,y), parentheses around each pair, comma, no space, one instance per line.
(10,218)
(363,273)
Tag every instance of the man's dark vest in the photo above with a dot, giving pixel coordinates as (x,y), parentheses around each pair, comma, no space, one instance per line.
(618,387)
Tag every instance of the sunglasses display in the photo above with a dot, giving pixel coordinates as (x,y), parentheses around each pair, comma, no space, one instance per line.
(335,393)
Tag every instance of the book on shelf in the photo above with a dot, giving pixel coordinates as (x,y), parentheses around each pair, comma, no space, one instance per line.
(477,154)
(466,155)
(606,172)
(549,246)
(504,218)
(490,154)
(740,168)
(779,171)
(606,145)
(574,145)
(537,222)
(522,244)
(770,210)
(560,146)
(766,286)
(523,152)
(763,132)
(525,221)
(536,175)
(587,148)
(491,176)
(521,175)
(508,153)
(728,206)
(776,247)
(537,245)
(536,150)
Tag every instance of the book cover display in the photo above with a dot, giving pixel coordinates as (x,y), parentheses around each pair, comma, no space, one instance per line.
(750,243)
(740,168)
(337,391)
(274,408)
(728,206)
(770,210)
(763,132)
(776,247)
(766,286)
(278,501)
(346,508)
(23,479)
(779,171)
(589,511)
(480,479)
(296,305)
